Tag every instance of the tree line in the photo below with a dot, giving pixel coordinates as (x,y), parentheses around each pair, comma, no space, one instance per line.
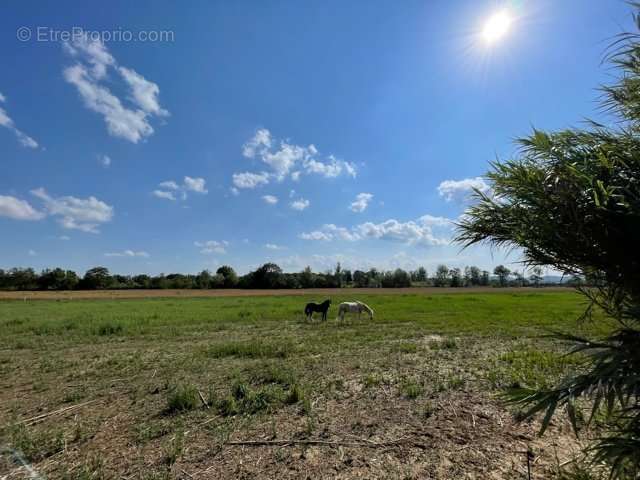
(267,276)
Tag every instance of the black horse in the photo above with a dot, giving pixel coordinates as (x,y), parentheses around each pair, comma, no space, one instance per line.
(317,307)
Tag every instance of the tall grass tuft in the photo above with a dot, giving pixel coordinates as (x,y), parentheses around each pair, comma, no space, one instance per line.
(183,398)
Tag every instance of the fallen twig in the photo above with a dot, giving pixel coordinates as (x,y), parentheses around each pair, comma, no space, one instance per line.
(37,418)
(331,443)
(204,402)
(186,473)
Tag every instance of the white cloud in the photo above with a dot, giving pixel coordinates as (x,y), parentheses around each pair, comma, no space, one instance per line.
(341,232)
(195,184)
(94,52)
(168,189)
(300,204)
(212,246)
(105,160)
(64,238)
(164,194)
(273,246)
(330,232)
(6,121)
(32,253)
(76,213)
(144,93)
(316,235)
(419,232)
(260,142)
(411,233)
(286,159)
(127,253)
(361,203)
(281,161)
(331,169)
(270,199)
(250,180)
(436,221)
(94,61)
(461,190)
(17,209)
(121,122)
(169,185)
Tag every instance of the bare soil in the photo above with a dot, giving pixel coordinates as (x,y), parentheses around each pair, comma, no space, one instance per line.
(234,292)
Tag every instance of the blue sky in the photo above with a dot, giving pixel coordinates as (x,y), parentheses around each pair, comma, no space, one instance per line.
(299,132)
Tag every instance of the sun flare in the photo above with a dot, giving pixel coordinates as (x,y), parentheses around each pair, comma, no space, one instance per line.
(496,26)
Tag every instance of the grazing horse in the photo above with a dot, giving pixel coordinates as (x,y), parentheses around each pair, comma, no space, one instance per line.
(317,307)
(354,307)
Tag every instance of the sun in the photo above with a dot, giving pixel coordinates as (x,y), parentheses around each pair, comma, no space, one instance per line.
(496,26)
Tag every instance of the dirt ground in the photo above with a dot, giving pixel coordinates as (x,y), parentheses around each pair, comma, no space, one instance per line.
(90,390)
(234,292)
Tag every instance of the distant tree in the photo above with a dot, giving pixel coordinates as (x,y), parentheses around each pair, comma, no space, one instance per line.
(203,280)
(141,281)
(502,273)
(455,277)
(97,278)
(536,276)
(307,278)
(338,275)
(373,278)
(347,277)
(441,278)
(229,275)
(268,275)
(217,281)
(466,276)
(518,279)
(159,282)
(485,279)
(420,275)
(22,279)
(401,278)
(179,281)
(396,279)
(51,279)
(360,279)
(120,281)
(57,279)
(474,275)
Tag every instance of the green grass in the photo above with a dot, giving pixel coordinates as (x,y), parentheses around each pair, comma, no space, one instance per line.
(477,313)
(531,367)
(251,349)
(183,398)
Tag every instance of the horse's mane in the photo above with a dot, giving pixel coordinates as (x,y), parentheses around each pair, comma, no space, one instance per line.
(365,306)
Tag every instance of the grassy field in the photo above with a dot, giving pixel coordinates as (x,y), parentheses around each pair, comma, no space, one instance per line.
(244,387)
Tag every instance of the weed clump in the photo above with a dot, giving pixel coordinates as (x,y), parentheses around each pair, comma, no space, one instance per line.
(443,344)
(251,349)
(248,400)
(410,388)
(182,399)
(109,329)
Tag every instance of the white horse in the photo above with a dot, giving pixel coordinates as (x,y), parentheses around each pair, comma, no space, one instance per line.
(354,307)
